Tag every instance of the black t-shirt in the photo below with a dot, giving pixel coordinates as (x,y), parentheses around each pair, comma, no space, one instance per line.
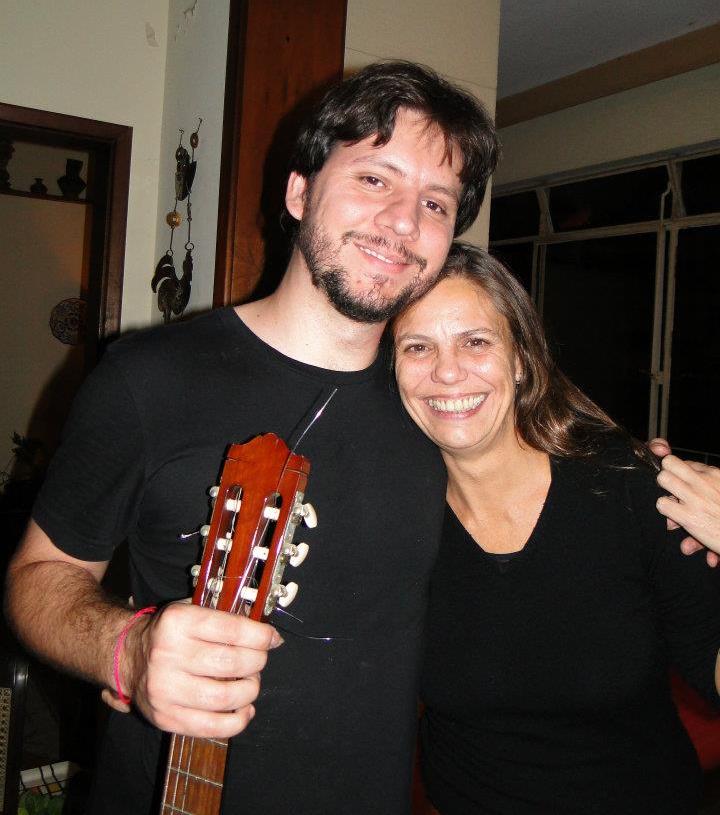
(546,680)
(335,722)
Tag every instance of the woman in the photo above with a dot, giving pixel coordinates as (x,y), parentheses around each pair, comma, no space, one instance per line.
(557,603)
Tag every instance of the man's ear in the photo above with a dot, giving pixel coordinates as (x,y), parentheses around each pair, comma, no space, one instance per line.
(295,195)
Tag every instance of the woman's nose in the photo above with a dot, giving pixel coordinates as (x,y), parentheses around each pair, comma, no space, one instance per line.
(448,368)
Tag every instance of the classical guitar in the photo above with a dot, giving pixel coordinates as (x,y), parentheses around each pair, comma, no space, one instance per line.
(248,544)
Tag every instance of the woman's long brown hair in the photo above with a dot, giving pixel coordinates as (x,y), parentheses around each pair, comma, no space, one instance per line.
(551,413)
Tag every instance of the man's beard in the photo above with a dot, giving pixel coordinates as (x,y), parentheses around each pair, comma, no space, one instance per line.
(328,275)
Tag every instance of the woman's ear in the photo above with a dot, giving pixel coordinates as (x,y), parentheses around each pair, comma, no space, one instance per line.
(295,195)
(518,371)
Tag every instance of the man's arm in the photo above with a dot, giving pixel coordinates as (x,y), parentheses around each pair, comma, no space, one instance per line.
(189,670)
(694,501)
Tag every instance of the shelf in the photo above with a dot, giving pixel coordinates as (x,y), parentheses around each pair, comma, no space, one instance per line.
(45,197)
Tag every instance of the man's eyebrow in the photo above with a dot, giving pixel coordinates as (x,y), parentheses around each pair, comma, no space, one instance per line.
(400,173)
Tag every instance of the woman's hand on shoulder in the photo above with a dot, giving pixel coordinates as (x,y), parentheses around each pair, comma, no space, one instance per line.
(693,503)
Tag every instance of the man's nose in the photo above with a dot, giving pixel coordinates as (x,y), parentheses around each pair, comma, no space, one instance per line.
(401,215)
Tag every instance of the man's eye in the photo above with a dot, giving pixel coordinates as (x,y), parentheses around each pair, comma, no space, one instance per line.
(415,348)
(477,342)
(372,180)
(433,206)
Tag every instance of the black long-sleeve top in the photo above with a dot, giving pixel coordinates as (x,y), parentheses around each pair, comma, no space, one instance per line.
(546,678)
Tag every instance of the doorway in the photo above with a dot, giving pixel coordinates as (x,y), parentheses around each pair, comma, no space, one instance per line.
(61,273)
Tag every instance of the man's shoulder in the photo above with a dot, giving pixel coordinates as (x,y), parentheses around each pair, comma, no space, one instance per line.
(177,346)
(207,327)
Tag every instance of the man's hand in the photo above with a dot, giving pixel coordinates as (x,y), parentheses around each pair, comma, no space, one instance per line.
(188,669)
(694,501)
(195,671)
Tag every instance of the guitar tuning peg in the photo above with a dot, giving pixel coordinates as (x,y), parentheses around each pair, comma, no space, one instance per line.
(195,571)
(286,594)
(204,530)
(297,554)
(214,491)
(309,515)
(260,552)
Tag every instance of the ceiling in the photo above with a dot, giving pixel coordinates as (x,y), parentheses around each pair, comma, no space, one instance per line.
(543,40)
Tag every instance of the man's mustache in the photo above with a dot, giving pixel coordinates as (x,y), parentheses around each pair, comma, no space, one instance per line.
(379,242)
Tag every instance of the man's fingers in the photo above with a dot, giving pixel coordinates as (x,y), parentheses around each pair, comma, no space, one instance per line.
(702,477)
(225,661)
(659,446)
(199,706)
(208,725)
(672,509)
(671,525)
(214,626)
(673,483)
(689,546)
(217,695)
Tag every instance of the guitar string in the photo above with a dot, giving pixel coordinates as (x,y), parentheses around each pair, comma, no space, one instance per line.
(251,565)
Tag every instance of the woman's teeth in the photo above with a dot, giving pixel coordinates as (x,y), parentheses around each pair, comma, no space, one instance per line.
(456,405)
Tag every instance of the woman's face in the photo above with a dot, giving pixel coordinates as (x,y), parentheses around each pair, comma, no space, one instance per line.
(456,368)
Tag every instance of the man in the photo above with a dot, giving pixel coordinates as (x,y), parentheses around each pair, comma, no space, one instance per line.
(392,165)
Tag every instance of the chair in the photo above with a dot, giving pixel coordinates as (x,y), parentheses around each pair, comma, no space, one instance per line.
(13,685)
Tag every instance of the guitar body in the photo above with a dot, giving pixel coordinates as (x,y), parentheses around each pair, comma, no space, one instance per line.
(248,544)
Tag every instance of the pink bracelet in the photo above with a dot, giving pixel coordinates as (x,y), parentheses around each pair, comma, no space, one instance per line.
(118,649)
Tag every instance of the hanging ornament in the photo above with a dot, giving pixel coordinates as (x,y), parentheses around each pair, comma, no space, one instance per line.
(174,292)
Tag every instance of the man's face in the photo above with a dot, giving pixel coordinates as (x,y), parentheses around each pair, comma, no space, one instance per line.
(376,222)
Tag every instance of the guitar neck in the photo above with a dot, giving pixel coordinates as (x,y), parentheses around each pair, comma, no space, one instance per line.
(194,779)
(247,545)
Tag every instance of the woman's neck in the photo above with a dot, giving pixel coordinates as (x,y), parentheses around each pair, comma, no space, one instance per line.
(498,495)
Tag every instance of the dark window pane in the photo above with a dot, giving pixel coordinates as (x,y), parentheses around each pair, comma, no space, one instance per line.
(598,313)
(701,185)
(694,455)
(518,257)
(695,369)
(616,199)
(514,216)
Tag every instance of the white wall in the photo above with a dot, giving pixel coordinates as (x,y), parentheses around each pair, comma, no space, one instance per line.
(194,88)
(683,110)
(458,39)
(106,60)
(99,59)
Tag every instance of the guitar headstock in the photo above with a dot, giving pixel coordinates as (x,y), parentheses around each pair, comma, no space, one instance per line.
(249,540)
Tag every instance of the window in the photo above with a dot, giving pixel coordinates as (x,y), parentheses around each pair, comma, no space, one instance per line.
(625,270)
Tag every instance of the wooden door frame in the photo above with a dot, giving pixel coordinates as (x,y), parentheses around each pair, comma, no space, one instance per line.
(287,98)
(111,145)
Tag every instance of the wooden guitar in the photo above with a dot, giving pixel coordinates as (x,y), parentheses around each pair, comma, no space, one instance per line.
(248,543)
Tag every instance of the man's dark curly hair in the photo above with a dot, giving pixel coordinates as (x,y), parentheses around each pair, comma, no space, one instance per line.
(367,104)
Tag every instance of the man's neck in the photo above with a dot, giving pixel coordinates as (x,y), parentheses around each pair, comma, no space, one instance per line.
(299,321)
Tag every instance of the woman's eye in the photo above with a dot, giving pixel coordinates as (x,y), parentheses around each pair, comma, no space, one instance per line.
(477,342)
(372,181)
(415,349)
